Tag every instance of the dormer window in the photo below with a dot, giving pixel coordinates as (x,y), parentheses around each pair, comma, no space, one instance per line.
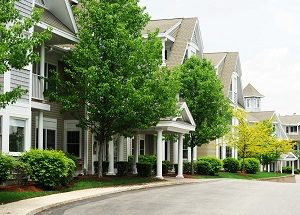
(248,103)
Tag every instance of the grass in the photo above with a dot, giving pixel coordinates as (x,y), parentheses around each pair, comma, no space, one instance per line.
(7,197)
(259,175)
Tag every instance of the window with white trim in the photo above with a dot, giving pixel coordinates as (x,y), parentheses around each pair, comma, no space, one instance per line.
(17,135)
(248,103)
(49,133)
(72,138)
(142,147)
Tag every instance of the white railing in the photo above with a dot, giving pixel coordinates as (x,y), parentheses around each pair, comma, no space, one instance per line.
(37,87)
(233,97)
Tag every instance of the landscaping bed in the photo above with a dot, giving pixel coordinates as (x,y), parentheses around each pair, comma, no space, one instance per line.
(15,193)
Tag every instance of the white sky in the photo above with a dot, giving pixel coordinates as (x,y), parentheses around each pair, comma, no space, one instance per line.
(266,33)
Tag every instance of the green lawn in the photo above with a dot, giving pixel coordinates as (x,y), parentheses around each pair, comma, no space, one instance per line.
(258,175)
(7,197)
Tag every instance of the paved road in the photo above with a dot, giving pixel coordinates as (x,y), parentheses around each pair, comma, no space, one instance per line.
(224,197)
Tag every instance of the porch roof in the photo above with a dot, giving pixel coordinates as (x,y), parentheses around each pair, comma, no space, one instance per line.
(289,157)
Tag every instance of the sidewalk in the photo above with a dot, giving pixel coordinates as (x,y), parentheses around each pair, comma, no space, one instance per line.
(35,205)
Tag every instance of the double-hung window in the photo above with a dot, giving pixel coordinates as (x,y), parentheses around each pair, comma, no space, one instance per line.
(16,135)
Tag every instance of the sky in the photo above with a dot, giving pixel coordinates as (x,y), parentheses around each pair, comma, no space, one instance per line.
(266,33)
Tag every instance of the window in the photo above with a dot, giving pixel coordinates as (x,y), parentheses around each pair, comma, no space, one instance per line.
(248,101)
(228,152)
(49,138)
(73,143)
(287,129)
(142,147)
(293,129)
(254,102)
(258,103)
(185,152)
(132,146)
(16,135)
(49,69)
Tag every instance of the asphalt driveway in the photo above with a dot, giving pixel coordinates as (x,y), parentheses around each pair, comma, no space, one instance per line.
(228,197)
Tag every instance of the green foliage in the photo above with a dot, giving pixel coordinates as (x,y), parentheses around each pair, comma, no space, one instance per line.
(144,169)
(287,169)
(17,50)
(105,165)
(22,171)
(204,168)
(187,167)
(203,92)
(6,165)
(251,165)
(231,165)
(49,168)
(130,159)
(297,171)
(151,159)
(116,73)
(123,168)
(216,164)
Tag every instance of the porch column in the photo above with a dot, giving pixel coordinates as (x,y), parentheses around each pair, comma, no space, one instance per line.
(217,149)
(40,130)
(159,155)
(175,152)
(135,154)
(195,152)
(180,157)
(111,167)
(298,164)
(42,69)
(223,151)
(293,167)
(280,166)
(163,150)
(233,152)
(121,148)
(236,153)
(168,151)
(268,167)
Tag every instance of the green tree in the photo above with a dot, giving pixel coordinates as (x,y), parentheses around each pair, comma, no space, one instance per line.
(203,92)
(114,73)
(16,45)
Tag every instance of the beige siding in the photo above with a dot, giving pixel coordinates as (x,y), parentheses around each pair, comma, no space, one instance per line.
(207,150)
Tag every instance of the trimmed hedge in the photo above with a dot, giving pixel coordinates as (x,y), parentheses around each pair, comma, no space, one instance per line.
(251,165)
(287,170)
(216,164)
(144,169)
(231,165)
(6,165)
(203,168)
(123,168)
(148,159)
(105,165)
(49,168)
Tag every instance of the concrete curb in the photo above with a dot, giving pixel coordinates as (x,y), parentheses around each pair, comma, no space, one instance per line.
(280,179)
(36,205)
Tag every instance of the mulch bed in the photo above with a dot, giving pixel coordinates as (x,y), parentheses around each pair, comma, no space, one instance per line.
(31,187)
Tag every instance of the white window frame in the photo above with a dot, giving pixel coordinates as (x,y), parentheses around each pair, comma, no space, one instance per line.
(248,102)
(11,119)
(293,132)
(70,125)
(142,139)
(48,124)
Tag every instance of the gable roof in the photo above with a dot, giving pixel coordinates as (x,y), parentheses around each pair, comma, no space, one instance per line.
(250,91)
(182,29)
(290,119)
(261,116)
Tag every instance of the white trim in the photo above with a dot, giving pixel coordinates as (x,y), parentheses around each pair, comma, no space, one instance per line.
(58,32)
(40,106)
(70,125)
(72,16)
(174,27)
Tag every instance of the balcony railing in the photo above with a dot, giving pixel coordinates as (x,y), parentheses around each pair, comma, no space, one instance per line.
(233,97)
(37,87)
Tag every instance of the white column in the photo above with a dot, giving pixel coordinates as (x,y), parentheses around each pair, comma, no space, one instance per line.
(280,166)
(40,130)
(121,148)
(163,53)
(86,150)
(111,168)
(293,167)
(195,153)
(298,164)
(189,154)
(233,152)
(180,157)
(5,133)
(261,168)
(163,150)
(168,151)
(217,149)
(268,167)
(135,154)
(236,153)
(223,151)
(175,152)
(159,155)
(42,69)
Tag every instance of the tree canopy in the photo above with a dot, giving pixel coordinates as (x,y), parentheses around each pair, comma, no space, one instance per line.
(203,92)
(17,44)
(114,73)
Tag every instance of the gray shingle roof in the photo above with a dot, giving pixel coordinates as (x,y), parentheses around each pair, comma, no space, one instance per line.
(290,119)
(250,91)
(183,35)
(261,116)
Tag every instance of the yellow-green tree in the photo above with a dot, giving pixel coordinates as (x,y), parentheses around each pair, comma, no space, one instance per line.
(257,140)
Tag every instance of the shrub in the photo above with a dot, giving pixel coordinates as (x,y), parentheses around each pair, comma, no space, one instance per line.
(130,160)
(123,168)
(6,164)
(203,168)
(144,169)
(216,164)
(297,171)
(287,169)
(231,165)
(251,165)
(105,165)
(21,171)
(166,165)
(187,168)
(49,168)
(148,159)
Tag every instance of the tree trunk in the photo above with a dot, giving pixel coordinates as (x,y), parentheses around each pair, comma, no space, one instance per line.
(100,159)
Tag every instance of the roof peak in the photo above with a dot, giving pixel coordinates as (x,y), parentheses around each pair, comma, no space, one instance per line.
(250,91)
(173,18)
